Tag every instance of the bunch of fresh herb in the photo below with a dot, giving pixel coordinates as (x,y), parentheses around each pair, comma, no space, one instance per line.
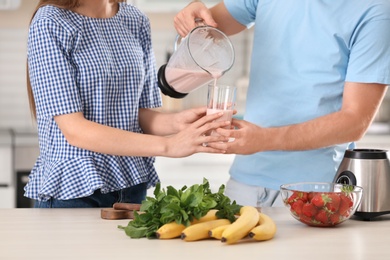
(183,206)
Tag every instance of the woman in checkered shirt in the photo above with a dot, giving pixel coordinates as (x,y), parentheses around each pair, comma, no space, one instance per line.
(92,88)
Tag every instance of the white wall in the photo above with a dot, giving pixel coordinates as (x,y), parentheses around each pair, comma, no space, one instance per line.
(14,111)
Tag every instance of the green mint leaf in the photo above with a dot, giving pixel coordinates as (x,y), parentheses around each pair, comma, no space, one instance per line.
(221,189)
(157,190)
(147,204)
(171,191)
(136,232)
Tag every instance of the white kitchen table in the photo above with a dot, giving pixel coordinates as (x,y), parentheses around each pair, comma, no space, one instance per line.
(82,234)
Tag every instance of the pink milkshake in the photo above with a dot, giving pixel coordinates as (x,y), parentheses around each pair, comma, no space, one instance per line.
(184,81)
(227,116)
(221,99)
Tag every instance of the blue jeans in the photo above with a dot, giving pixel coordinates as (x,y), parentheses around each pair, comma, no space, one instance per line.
(253,195)
(134,194)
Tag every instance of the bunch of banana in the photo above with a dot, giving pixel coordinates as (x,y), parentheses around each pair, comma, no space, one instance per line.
(248,219)
(250,223)
(265,230)
(173,229)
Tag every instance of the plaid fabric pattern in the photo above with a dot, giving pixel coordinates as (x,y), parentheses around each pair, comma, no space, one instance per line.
(104,68)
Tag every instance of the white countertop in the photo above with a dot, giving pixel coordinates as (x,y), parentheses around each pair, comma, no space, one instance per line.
(82,234)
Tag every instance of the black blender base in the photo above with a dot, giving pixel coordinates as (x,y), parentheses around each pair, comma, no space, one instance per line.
(165,88)
(367,216)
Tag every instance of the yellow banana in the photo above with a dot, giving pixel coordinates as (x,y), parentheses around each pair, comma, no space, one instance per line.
(170,230)
(217,232)
(210,215)
(265,230)
(173,229)
(201,230)
(248,219)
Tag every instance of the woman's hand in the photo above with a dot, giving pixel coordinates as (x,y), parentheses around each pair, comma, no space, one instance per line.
(185,118)
(193,139)
(163,124)
(92,136)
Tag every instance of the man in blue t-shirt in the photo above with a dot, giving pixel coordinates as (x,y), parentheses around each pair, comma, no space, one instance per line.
(319,71)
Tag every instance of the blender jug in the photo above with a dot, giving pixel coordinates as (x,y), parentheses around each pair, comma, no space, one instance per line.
(204,54)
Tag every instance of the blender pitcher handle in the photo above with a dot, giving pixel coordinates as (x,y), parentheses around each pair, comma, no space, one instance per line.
(178,40)
(199,22)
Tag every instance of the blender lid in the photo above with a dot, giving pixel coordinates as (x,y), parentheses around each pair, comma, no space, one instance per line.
(366,154)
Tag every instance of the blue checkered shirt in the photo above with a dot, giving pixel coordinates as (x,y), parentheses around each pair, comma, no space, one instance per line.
(104,68)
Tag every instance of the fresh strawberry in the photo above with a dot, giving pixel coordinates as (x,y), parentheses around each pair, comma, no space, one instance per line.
(296,207)
(304,196)
(297,195)
(333,202)
(320,200)
(322,216)
(309,210)
(305,219)
(346,204)
(290,200)
(310,196)
(334,218)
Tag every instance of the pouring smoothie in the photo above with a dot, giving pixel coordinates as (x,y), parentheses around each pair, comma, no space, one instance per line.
(204,54)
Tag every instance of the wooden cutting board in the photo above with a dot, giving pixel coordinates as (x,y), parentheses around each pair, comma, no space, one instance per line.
(120,211)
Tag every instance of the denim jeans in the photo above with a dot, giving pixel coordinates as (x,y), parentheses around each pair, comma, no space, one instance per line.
(134,194)
(253,195)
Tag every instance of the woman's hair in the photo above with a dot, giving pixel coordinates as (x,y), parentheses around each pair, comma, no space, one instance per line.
(66,4)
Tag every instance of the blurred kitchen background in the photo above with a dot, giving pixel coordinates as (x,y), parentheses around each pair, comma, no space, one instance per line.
(18,139)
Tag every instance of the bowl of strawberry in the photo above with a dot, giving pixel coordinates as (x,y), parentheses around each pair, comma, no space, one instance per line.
(321,204)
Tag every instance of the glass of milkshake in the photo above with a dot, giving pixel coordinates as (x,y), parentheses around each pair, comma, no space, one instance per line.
(221,98)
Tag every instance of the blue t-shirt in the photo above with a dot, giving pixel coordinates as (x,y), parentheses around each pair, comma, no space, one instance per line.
(104,68)
(303,52)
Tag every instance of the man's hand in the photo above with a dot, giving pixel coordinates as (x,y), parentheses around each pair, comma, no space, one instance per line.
(184,21)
